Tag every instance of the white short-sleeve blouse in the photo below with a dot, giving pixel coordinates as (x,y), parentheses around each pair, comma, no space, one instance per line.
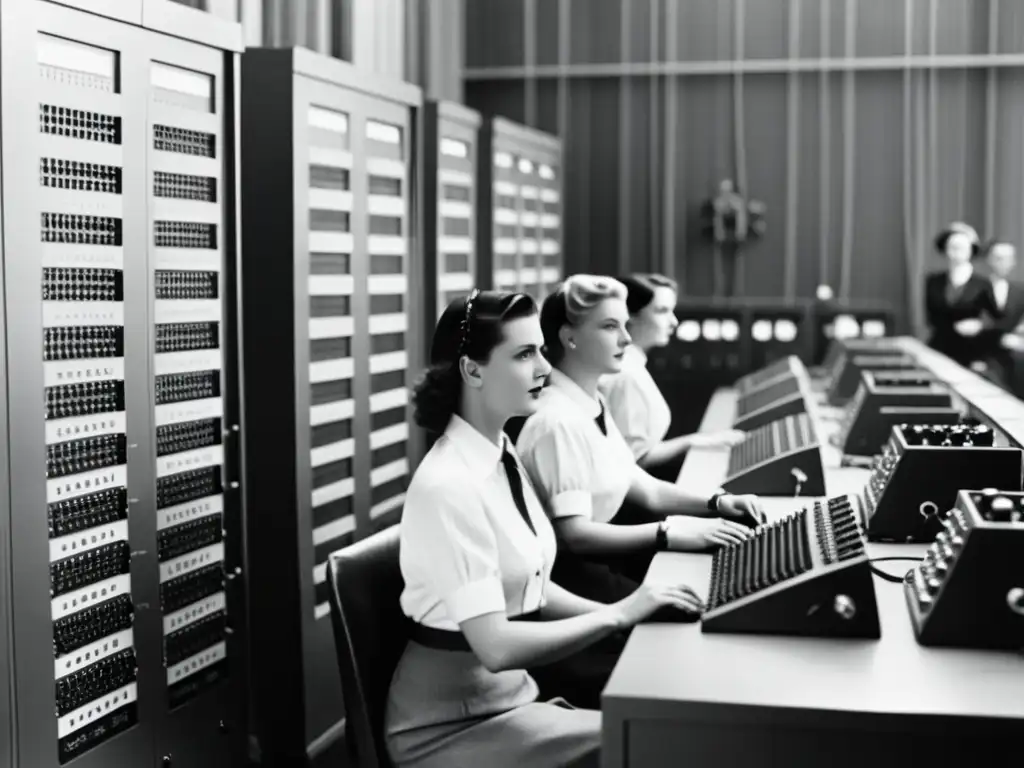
(465,549)
(576,469)
(636,403)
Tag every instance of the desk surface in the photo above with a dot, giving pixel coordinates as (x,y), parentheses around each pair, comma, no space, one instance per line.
(800,682)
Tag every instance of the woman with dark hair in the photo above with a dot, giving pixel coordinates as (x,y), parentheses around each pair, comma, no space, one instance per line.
(476,558)
(635,403)
(954,297)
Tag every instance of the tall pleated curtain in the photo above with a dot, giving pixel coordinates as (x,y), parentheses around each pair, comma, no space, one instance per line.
(863,125)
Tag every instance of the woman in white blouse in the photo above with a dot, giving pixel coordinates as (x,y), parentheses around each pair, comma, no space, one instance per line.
(635,402)
(583,471)
(581,465)
(476,557)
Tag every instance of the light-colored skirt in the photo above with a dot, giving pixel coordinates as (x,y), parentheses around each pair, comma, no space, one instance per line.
(446,710)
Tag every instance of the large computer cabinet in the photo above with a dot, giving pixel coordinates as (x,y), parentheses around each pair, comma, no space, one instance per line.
(520,200)
(6,645)
(333,337)
(450,154)
(123,532)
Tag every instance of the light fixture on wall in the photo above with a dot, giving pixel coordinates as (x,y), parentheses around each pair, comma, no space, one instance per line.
(712,328)
(761,330)
(730,330)
(688,331)
(785,330)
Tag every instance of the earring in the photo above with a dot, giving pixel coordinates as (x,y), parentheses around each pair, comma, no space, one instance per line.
(572,345)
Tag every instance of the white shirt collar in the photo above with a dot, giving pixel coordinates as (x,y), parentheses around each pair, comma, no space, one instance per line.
(997,280)
(960,274)
(479,453)
(591,406)
(637,353)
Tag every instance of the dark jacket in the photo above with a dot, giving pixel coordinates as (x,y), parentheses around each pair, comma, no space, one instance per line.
(944,308)
(988,348)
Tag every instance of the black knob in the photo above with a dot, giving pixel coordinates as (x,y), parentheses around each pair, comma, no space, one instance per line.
(983,435)
(1000,510)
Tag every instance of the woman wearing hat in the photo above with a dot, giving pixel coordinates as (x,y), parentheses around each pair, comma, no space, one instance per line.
(954,297)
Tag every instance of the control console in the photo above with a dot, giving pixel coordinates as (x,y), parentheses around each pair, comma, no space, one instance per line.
(921,469)
(968,592)
(885,398)
(807,574)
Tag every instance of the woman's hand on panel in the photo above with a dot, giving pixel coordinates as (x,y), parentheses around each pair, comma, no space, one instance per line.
(746,508)
(1012,341)
(724,439)
(649,598)
(690,533)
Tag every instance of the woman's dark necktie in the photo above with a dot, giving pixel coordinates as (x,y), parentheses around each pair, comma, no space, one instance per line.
(515,482)
(600,422)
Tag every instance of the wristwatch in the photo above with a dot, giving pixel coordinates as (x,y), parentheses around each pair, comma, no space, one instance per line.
(661,541)
(715,498)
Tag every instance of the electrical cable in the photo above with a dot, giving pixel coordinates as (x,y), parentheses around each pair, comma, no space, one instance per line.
(889,576)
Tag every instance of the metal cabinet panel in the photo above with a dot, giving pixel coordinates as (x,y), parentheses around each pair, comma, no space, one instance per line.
(520,185)
(450,146)
(7,745)
(329,235)
(99,602)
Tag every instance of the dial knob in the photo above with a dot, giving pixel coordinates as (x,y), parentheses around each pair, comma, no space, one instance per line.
(1000,509)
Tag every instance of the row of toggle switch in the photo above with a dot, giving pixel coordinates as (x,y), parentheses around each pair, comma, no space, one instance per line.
(187,486)
(182,387)
(62,284)
(83,512)
(167,138)
(185,337)
(79,176)
(79,124)
(80,229)
(927,577)
(85,399)
(83,342)
(91,624)
(77,456)
(181,186)
(187,436)
(185,234)
(89,567)
(959,435)
(837,530)
(177,285)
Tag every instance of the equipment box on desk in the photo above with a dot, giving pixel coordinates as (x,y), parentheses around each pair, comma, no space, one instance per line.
(917,477)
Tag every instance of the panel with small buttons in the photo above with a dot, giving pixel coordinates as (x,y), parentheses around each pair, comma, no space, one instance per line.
(187,257)
(916,477)
(968,591)
(81,232)
(525,205)
(120,381)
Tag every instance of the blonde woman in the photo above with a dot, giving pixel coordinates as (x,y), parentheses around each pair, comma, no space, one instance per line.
(583,469)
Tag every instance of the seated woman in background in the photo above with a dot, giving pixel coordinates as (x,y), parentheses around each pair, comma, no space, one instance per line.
(954,296)
(635,403)
(476,557)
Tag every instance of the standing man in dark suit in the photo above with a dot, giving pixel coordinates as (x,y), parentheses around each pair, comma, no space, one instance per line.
(1003,306)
